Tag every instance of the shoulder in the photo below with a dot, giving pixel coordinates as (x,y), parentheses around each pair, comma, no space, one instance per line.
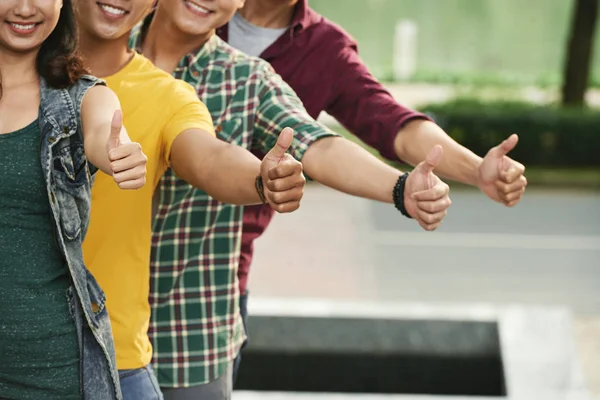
(329,33)
(234,60)
(239,68)
(99,96)
(153,82)
(80,87)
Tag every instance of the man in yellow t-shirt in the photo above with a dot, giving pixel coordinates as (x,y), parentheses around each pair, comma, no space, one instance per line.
(175,130)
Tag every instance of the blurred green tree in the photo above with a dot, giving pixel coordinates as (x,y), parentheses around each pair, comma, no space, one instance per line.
(578,58)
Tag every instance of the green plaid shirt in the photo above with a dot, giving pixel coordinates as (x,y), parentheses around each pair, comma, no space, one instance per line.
(196,328)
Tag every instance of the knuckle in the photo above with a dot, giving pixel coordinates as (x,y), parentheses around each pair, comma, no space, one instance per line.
(428,219)
(276,171)
(276,197)
(272,185)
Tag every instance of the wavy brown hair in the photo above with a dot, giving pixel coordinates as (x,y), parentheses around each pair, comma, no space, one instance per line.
(58,60)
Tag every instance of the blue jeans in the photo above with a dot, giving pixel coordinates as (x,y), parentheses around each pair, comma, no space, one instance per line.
(244,313)
(138,384)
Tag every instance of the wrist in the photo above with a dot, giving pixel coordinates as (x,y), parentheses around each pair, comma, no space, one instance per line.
(260,189)
(473,178)
(398,195)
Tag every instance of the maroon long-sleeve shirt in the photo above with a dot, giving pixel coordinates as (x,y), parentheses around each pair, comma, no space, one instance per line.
(320,61)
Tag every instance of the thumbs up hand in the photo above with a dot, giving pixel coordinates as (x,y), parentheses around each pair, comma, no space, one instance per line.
(127,160)
(500,177)
(426,197)
(282,177)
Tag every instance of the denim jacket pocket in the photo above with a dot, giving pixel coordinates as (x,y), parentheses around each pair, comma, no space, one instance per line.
(70,177)
(69,164)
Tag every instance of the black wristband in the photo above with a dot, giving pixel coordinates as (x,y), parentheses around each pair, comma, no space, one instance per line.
(260,189)
(398,195)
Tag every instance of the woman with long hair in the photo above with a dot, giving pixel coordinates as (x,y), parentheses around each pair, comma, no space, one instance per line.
(58,125)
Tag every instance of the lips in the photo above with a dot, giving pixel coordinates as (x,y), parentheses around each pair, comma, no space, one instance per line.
(197,9)
(23,28)
(111,10)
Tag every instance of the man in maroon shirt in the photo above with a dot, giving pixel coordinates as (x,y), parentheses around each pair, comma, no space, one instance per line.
(320,62)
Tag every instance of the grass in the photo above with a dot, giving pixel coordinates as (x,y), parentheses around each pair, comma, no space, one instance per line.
(548,177)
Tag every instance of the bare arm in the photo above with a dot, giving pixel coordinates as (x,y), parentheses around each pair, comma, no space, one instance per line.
(367,110)
(414,141)
(347,167)
(97,110)
(225,171)
(106,143)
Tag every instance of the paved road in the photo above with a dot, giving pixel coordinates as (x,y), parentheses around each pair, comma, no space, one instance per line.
(544,251)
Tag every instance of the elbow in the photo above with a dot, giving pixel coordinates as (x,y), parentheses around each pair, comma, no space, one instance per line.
(314,159)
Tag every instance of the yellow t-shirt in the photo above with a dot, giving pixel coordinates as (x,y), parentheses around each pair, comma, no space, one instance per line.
(156,108)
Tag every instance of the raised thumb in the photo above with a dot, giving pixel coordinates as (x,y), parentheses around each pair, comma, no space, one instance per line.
(432,160)
(116,125)
(507,145)
(283,144)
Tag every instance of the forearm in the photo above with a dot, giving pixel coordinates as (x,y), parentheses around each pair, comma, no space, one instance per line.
(224,171)
(347,167)
(233,176)
(418,137)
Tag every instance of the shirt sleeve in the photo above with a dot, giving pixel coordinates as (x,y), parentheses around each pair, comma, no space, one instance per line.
(188,112)
(363,106)
(279,107)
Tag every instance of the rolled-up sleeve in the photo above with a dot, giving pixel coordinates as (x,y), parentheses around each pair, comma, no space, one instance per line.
(362,105)
(279,107)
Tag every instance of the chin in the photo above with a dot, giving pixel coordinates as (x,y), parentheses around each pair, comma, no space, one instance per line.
(24,46)
(193,28)
(110,32)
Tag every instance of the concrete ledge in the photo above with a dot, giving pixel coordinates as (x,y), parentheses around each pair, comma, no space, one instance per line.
(536,344)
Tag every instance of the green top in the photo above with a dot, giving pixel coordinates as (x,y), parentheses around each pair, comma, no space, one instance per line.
(39,351)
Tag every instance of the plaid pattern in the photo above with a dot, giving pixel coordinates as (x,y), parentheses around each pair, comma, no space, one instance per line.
(196,328)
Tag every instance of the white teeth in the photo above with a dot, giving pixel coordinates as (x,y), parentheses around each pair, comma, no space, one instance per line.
(23,27)
(112,10)
(197,7)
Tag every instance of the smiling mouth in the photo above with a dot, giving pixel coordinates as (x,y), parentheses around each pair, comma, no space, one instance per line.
(23,28)
(196,8)
(112,10)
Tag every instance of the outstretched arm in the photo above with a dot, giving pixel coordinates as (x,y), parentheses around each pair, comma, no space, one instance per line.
(339,163)
(228,172)
(369,111)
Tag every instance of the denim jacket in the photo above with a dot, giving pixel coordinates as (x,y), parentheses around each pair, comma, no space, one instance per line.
(69,179)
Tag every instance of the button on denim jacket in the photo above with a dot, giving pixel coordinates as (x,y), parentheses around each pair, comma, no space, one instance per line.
(69,179)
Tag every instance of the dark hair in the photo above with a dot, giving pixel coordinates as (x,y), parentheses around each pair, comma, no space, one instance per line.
(58,61)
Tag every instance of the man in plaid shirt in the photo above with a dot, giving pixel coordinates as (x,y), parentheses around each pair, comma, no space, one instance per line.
(196,328)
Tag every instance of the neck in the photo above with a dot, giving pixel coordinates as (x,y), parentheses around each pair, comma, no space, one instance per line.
(269,13)
(17,69)
(165,44)
(104,57)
